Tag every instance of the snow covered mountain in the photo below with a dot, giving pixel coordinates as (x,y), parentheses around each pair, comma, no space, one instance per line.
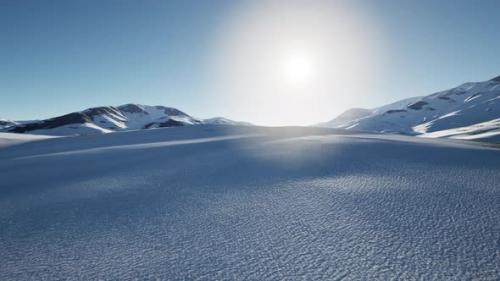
(224,121)
(469,111)
(107,119)
(347,116)
(4,123)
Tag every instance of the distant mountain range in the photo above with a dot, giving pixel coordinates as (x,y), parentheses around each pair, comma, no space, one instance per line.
(106,119)
(470,111)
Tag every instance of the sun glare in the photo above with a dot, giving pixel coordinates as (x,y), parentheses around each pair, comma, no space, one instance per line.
(274,59)
(299,69)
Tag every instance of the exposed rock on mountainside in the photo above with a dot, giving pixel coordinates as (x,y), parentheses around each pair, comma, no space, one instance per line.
(105,119)
(465,112)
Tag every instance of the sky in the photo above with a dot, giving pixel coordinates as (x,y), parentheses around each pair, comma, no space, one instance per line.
(280,62)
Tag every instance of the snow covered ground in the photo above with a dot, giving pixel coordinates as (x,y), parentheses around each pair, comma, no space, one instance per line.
(8,139)
(249,203)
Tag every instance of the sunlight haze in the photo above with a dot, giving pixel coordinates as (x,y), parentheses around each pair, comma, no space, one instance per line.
(273,61)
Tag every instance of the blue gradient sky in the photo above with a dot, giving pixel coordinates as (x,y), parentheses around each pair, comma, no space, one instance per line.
(62,56)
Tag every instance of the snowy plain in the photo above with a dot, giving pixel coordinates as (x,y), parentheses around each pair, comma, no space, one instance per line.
(248,203)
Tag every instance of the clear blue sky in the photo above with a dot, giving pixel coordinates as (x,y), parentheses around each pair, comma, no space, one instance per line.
(62,56)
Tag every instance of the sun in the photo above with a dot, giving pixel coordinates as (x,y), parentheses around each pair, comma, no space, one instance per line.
(299,68)
(275,59)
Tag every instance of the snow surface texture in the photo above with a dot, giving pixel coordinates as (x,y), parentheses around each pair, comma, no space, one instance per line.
(467,112)
(249,203)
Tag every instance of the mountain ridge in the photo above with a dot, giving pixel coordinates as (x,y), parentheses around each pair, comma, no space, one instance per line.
(107,119)
(464,112)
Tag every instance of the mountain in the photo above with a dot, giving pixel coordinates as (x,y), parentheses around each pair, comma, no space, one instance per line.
(469,111)
(106,119)
(224,121)
(354,114)
(347,116)
(4,123)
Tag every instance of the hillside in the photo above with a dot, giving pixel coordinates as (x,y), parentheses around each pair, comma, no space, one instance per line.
(470,111)
(107,119)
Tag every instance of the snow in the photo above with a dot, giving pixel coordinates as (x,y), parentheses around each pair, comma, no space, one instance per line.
(249,203)
(110,119)
(346,117)
(4,123)
(8,139)
(467,105)
(72,130)
(150,114)
(224,121)
(485,131)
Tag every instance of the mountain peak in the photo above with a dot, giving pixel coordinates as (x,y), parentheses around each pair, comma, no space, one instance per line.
(348,116)
(106,119)
(469,111)
(496,79)
(224,121)
(4,123)
(148,109)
